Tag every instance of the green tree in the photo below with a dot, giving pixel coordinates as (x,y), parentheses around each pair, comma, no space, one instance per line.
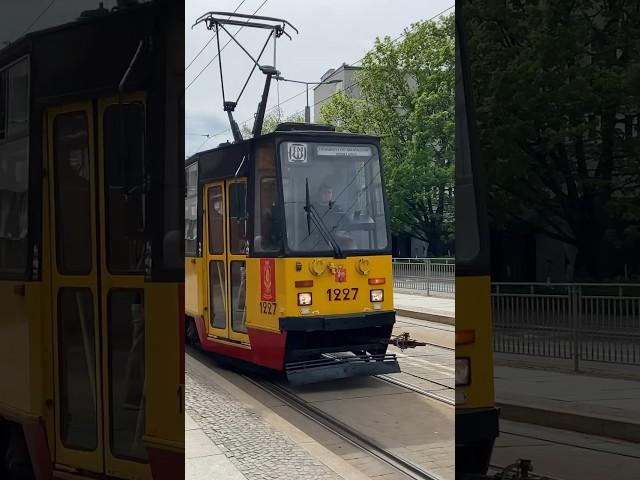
(557,96)
(271,121)
(407,98)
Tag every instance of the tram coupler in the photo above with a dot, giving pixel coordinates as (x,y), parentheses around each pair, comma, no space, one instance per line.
(519,470)
(403,341)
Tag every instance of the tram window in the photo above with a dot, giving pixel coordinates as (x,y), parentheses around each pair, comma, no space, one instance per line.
(467,221)
(267,223)
(237,218)
(77,367)
(126,372)
(3,104)
(14,166)
(72,194)
(14,171)
(215,208)
(191,211)
(217,290)
(18,99)
(124,132)
(238,296)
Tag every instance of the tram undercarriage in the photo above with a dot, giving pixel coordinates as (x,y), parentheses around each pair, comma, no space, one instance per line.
(313,349)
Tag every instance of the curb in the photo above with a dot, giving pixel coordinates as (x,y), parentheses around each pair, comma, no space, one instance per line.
(431,317)
(600,426)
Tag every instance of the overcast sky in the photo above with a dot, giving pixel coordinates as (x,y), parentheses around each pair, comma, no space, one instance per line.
(331,32)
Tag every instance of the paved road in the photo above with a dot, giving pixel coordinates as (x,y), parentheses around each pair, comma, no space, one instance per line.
(567,455)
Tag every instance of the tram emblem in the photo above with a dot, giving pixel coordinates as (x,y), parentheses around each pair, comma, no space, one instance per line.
(341,275)
(267,280)
(297,153)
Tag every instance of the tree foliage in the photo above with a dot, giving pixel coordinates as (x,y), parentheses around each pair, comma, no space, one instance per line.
(271,121)
(557,95)
(407,98)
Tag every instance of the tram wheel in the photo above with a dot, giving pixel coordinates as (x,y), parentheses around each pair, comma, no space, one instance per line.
(192,332)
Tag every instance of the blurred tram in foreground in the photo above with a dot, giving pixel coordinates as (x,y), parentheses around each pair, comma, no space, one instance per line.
(476,414)
(91,269)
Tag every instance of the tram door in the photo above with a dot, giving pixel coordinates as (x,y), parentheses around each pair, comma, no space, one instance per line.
(96,210)
(225,214)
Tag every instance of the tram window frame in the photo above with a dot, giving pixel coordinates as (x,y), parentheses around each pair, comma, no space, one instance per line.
(238,213)
(123,172)
(83,260)
(472,231)
(192,200)
(254,225)
(216,228)
(363,140)
(16,142)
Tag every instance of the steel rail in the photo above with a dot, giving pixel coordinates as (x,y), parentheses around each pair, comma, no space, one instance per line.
(345,432)
(421,391)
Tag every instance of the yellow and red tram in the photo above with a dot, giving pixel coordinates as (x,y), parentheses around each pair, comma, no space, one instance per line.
(288,253)
(91,262)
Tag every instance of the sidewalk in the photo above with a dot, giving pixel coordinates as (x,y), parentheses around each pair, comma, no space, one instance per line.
(230,435)
(419,305)
(607,407)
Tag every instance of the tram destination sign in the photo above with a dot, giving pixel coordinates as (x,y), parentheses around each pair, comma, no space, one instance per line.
(344,151)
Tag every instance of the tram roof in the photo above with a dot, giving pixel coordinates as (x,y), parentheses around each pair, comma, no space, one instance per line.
(310,135)
(16,48)
(88,55)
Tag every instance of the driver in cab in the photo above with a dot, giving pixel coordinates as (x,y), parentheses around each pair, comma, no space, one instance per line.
(334,217)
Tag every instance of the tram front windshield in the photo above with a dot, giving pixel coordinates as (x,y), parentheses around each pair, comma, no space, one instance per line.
(333,198)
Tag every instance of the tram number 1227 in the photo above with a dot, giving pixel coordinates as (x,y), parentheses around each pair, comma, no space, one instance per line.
(268,307)
(345,294)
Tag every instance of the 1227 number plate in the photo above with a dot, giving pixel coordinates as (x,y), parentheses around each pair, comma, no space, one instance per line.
(338,294)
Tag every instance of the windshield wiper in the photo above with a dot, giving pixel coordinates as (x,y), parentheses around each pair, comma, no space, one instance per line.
(313,215)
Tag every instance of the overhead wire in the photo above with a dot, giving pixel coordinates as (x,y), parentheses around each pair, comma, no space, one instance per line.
(45,10)
(210,40)
(278,106)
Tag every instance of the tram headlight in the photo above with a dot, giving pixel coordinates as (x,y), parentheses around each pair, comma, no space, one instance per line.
(463,371)
(377,295)
(304,298)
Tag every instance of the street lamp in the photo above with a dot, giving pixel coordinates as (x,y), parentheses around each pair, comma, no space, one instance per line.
(307,110)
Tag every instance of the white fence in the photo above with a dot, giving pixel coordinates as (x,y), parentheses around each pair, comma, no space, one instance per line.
(432,275)
(593,322)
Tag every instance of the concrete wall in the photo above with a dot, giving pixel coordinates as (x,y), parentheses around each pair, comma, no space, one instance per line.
(347,83)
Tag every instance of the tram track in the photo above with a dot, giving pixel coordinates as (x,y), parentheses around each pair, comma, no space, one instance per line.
(349,434)
(414,388)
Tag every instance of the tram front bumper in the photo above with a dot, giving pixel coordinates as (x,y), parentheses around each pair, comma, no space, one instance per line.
(333,323)
(328,347)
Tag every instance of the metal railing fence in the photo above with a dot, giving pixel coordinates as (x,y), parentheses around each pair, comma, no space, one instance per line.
(591,322)
(433,275)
